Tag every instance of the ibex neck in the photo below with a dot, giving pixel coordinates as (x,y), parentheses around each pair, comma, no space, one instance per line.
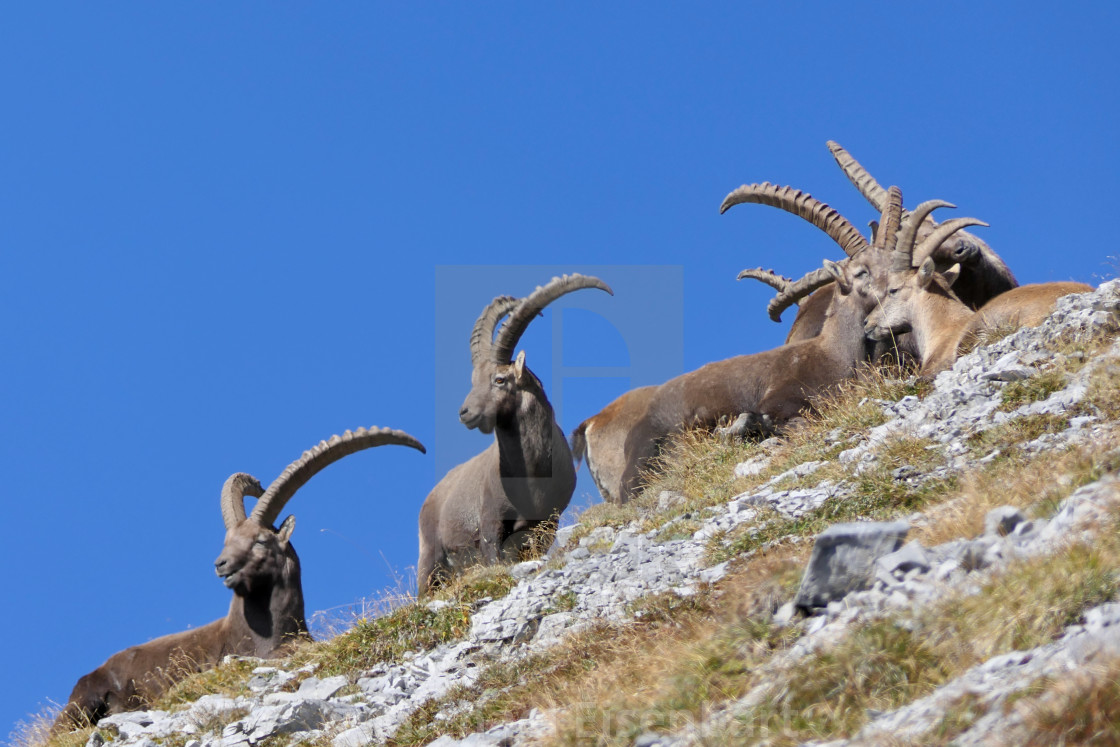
(525,443)
(267,618)
(938,323)
(843,327)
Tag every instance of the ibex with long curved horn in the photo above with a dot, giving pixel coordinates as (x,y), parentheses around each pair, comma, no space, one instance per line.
(603,439)
(776,385)
(260,566)
(485,508)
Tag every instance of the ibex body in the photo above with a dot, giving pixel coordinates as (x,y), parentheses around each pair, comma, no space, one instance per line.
(485,508)
(923,303)
(257,563)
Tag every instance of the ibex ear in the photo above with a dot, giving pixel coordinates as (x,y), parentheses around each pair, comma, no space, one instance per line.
(286,529)
(836,271)
(926,273)
(952,274)
(519,365)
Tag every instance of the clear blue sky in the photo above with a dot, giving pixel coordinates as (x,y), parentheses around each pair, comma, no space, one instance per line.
(230,230)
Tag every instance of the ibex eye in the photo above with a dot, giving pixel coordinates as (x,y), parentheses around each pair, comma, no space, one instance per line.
(499,379)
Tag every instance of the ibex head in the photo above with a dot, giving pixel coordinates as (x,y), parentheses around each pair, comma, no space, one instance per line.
(498,379)
(894,315)
(257,556)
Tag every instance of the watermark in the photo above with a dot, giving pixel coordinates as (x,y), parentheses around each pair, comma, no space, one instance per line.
(587,348)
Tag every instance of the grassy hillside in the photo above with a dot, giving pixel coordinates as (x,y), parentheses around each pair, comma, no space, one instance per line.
(714,665)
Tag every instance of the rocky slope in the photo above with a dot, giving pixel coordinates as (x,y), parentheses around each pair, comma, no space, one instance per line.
(1040,394)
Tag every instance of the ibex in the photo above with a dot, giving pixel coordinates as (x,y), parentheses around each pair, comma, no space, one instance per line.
(260,566)
(774,386)
(485,508)
(602,439)
(922,303)
(983,274)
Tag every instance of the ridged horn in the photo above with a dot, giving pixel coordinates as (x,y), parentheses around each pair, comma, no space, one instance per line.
(531,305)
(801,204)
(940,234)
(886,236)
(860,178)
(237,486)
(796,291)
(318,457)
(482,336)
(771,278)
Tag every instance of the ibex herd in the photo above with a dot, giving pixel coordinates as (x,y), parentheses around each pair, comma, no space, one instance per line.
(916,289)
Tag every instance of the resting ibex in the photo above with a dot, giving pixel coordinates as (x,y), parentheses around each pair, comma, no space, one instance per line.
(983,274)
(775,385)
(260,566)
(921,302)
(486,507)
(602,439)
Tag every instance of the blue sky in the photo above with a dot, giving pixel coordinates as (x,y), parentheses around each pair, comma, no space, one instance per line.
(228,231)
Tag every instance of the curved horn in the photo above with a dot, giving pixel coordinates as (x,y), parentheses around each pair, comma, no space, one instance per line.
(858,176)
(296,474)
(902,258)
(818,278)
(771,278)
(802,204)
(482,336)
(237,486)
(942,232)
(531,305)
(890,220)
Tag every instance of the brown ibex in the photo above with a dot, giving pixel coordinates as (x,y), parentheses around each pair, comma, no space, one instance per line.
(923,303)
(260,566)
(485,508)
(601,439)
(776,385)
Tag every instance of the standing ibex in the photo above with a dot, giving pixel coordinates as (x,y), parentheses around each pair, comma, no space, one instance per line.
(774,386)
(260,566)
(486,507)
(921,302)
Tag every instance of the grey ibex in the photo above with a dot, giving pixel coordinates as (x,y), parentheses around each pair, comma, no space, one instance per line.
(923,303)
(774,386)
(487,507)
(260,566)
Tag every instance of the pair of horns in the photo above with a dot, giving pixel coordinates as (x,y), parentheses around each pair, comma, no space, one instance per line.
(521,312)
(827,219)
(272,501)
(820,214)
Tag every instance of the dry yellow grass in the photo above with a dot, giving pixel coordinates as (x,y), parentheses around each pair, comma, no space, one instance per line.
(678,657)
(1081,708)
